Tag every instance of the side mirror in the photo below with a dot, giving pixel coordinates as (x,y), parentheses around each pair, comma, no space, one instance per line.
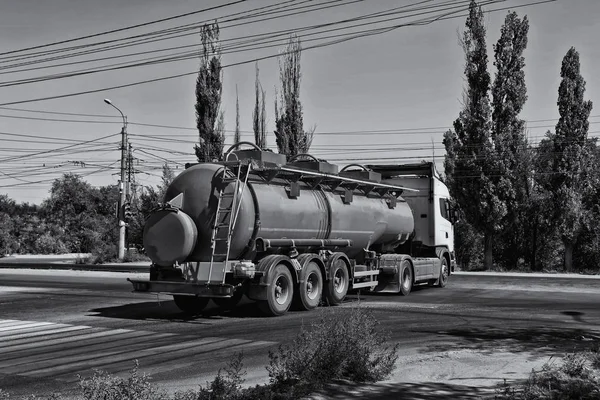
(455,216)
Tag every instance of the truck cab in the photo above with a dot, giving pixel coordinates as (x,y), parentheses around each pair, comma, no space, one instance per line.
(431,205)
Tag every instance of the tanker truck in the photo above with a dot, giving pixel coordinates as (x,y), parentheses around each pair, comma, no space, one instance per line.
(296,232)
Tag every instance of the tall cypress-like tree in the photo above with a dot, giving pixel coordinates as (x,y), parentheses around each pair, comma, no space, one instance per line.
(263,120)
(572,157)
(469,161)
(208,96)
(509,93)
(259,114)
(236,136)
(289,128)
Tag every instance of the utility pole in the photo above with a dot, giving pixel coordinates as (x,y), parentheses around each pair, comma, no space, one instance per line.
(122,198)
(129,170)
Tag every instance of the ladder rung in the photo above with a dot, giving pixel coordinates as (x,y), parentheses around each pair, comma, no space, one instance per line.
(221,239)
(227,195)
(221,225)
(232,179)
(219,255)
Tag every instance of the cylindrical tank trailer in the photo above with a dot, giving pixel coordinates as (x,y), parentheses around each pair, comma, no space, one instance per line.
(267,212)
(275,230)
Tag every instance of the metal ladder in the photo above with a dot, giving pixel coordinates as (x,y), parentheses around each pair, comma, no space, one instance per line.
(226,215)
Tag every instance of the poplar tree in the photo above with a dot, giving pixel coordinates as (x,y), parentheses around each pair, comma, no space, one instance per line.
(509,94)
(572,157)
(236,136)
(208,96)
(290,135)
(469,162)
(259,123)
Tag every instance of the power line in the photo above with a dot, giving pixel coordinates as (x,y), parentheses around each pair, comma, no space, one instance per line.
(251,46)
(61,148)
(143,38)
(121,29)
(382,30)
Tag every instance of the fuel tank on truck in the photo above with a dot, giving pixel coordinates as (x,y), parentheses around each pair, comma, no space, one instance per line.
(267,211)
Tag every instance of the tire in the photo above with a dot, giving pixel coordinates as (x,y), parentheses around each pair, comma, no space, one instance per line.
(444,273)
(279,293)
(406,278)
(229,303)
(310,288)
(190,304)
(338,283)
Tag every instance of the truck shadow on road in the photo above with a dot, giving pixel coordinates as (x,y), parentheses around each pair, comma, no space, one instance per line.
(543,341)
(167,310)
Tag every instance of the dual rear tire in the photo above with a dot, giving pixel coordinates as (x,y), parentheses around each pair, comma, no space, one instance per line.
(311,288)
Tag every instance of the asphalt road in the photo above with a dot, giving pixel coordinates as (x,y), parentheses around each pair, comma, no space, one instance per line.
(57,324)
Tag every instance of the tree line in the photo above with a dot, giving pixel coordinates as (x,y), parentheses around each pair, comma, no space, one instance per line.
(523,206)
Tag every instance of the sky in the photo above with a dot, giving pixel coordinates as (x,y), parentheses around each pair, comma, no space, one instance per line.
(383,98)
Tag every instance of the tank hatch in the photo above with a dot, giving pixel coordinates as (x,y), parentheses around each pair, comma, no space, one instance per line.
(259,155)
(363,173)
(311,163)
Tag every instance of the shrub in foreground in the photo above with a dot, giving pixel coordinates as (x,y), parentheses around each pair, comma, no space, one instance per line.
(578,377)
(104,386)
(345,345)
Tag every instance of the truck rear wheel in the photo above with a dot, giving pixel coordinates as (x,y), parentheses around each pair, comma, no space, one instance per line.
(190,304)
(406,277)
(310,288)
(338,283)
(279,293)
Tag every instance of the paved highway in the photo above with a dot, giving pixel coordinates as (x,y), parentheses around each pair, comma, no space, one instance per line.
(57,324)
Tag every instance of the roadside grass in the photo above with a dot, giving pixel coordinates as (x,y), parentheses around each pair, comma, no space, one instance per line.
(576,377)
(346,346)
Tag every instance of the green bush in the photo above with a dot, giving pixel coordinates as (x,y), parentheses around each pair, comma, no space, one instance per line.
(49,244)
(104,386)
(347,346)
(103,253)
(578,377)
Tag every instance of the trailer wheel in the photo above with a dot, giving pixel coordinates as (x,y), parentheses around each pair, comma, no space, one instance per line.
(190,304)
(310,288)
(406,277)
(279,293)
(338,283)
(229,303)
(444,273)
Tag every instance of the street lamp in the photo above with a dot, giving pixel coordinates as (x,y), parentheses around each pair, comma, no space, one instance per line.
(122,198)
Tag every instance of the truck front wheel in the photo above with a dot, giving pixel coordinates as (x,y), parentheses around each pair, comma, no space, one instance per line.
(279,292)
(190,304)
(444,273)
(406,277)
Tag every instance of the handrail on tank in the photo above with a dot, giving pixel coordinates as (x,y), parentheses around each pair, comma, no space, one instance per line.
(355,165)
(238,144)
(293,158)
